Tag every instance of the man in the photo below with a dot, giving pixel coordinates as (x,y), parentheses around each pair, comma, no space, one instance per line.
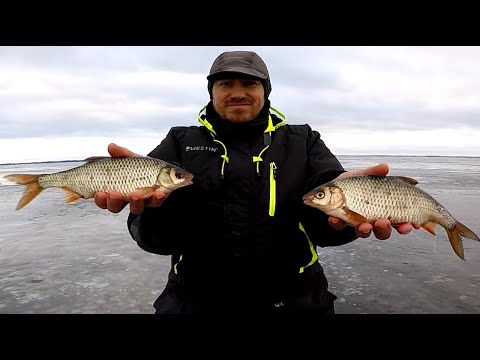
(240,238)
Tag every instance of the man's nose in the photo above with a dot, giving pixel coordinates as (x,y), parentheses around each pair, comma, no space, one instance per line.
(238,92)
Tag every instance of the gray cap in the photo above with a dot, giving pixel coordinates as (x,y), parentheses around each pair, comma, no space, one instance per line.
(243,62)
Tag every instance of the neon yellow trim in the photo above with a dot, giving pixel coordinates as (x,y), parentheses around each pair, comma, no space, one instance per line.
(204,122)
(265,148)
(273,189)
(257,159)
(270,126)
(207,125)
(281,115)
(312,249)
(201,110)
(224,156)
(175,267)
(269,129)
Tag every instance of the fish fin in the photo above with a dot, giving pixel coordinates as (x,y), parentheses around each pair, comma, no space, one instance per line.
(406,179)
(146,191)
(71,195)
(430,227)
(353,218)
(466,232)
(454,235)
(96,158)
(32,187)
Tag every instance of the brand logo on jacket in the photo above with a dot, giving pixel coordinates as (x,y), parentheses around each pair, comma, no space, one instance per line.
(200,148)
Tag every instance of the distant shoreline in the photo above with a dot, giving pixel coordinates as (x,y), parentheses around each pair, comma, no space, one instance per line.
(338,155)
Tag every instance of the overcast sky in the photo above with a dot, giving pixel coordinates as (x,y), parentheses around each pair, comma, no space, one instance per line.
(59,103)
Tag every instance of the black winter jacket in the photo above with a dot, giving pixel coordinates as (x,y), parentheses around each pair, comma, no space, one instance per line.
(241,233)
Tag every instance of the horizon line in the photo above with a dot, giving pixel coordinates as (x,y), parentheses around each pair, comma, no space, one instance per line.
(356,155)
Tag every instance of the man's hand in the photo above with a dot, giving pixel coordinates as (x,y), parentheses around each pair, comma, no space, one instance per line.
(115,202)
(382,228)
(377,170)
(117,151)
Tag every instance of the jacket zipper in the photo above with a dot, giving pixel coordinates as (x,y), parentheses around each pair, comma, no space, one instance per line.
(273,189)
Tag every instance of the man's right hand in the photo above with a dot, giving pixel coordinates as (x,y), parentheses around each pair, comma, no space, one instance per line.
(114,201)
(382,228)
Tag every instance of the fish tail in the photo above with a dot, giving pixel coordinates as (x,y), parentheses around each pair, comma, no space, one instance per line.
(456,241)
(466,232)
(32,187)
(455,236)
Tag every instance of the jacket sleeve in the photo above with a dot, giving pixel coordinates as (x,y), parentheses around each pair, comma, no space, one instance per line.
(155,229)
(322,166)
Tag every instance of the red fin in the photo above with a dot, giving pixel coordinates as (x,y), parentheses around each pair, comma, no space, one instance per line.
(430,227)
(71,195)
(406,179)
(354,218)
(32,187)
(146,191)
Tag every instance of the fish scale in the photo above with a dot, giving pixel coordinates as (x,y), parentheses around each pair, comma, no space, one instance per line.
(393,199)
(123,174)
(365,198)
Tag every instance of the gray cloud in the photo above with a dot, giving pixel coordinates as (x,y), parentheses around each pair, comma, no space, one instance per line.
(130,91)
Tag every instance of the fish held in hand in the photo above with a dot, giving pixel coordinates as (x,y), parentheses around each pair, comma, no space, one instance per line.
(124,174)
(366,198)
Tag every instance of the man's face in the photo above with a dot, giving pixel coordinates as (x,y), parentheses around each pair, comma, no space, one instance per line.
(238,99)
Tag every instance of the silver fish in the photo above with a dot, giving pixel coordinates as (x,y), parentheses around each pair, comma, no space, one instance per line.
(100,173)
(365,198)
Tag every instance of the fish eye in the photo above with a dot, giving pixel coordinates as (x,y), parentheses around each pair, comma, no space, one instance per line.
(320,195)
(179,176)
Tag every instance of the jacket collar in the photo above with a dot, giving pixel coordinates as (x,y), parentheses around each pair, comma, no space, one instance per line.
(268,120)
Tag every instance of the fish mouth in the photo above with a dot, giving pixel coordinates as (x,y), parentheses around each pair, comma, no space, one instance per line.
(189,180)
(308,196)
(307,199)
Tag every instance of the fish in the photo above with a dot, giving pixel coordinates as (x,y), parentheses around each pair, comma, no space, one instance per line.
(102,173)
(367,198)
